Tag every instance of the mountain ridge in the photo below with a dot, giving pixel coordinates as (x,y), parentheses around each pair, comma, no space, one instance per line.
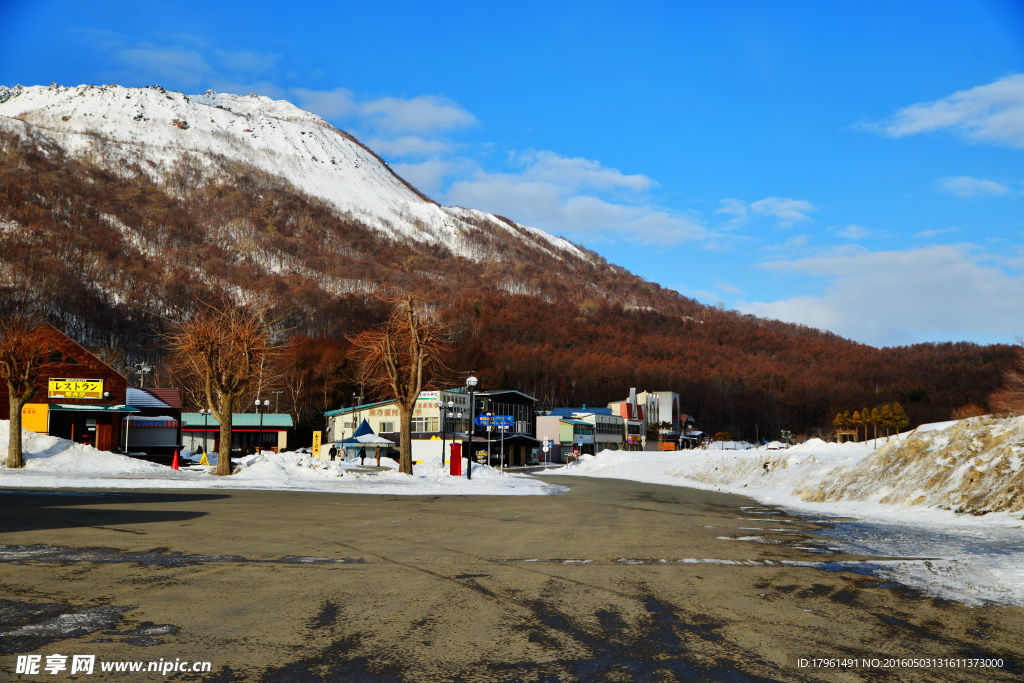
(273,135)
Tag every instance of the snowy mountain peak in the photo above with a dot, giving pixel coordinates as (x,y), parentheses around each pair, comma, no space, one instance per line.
(157,128)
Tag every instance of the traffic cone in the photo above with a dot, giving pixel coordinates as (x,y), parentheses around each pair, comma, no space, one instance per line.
(174,465)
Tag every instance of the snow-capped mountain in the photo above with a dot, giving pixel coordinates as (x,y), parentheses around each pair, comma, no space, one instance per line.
(117,125)
(123,209)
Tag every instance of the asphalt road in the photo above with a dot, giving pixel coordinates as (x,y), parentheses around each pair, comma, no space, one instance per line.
(612,581)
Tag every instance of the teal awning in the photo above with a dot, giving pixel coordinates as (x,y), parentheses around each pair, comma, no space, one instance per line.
(95,408)
(239,421)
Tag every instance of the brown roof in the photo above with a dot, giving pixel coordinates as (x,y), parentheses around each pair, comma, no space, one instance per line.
(171,397)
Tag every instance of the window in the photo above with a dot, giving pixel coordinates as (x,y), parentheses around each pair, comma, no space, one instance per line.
(424,424)
(387,427)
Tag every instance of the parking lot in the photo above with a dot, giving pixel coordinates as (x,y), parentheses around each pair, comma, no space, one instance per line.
(612,581)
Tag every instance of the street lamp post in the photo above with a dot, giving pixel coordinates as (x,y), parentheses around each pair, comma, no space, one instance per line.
(206,416)
(444,433)
(445,411)
(490,426)
(261,408)
(471,382)
(502,428)
(143,369)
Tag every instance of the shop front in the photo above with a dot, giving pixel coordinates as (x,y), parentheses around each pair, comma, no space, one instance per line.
(94,425)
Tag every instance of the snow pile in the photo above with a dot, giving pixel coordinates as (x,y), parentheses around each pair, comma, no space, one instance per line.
(51,462)
(157,129)
(770,475)
(972,466)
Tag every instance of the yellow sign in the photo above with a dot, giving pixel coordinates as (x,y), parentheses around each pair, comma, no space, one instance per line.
(316,444)
(76,388)
(34,417)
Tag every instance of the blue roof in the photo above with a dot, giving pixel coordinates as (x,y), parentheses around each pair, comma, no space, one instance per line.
(572,411)
(577,422)
(364,428)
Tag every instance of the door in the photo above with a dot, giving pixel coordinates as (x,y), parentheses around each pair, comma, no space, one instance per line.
(104,436)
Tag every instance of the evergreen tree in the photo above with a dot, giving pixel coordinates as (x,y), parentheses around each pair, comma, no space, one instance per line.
(900,419)
(888,419)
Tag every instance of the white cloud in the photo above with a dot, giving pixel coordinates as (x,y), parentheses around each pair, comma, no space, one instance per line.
(854,232)
(966,186)
(408,146)
(184,66)
(737,208)
(558,207)
(419,114)
(396,128)
(898,297)
(987,113)
(245,61)
(430,175)
(577,172)
(927,234)
(785,211)
(330,104)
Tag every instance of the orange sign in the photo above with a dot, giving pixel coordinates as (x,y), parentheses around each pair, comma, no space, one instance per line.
(34,417)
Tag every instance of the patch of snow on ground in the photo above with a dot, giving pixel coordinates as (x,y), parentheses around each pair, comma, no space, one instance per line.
(51,462)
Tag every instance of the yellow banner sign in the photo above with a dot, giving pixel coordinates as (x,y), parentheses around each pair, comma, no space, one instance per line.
(316,444)
(34,417)
(76,388)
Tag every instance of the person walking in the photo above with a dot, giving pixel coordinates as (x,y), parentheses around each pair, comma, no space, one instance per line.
(333,452)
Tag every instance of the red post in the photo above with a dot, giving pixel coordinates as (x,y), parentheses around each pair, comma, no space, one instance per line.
(455,460)
(174,465)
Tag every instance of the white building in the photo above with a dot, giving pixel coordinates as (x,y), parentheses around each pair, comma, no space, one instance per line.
(663,407)
(383,416)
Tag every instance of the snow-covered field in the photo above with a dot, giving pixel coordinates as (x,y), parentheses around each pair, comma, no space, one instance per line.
(905,497)
(51,462)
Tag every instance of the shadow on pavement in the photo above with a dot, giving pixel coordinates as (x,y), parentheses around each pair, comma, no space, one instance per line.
(36,510)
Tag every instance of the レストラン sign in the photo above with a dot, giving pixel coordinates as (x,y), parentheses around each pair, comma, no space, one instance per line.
(76,388)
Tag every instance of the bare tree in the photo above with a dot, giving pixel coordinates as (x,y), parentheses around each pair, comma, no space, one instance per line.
(1010,397)
(21,357)
(223,348)
(400,359)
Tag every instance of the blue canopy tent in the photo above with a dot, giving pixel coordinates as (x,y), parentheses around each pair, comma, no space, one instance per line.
(364,438)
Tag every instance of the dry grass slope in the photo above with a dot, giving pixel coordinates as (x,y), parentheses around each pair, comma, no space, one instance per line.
(974,466)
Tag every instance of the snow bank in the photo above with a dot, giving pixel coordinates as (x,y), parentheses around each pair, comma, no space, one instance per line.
(972,466)
(51,462)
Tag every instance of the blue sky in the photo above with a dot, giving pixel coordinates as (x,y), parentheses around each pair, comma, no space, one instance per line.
(857,167)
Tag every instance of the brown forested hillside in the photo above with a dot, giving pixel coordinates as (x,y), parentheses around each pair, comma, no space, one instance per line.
(110,257)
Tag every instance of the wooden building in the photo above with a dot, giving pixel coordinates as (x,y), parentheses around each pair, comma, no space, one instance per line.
(80,397)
